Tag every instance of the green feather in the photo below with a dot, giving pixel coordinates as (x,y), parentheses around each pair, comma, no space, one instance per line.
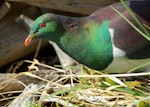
(91,45)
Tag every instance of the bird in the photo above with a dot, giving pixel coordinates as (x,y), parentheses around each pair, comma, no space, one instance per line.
(103,40)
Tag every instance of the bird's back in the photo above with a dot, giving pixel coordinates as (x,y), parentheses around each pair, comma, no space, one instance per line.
(125,36)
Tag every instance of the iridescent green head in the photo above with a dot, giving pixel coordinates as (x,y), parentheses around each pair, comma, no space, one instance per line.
(43,26)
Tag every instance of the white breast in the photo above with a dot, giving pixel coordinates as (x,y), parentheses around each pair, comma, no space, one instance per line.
(121,63)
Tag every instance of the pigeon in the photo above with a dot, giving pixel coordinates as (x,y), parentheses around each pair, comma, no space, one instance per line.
(102,41)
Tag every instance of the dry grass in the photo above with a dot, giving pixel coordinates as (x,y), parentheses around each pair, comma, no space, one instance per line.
(81,87)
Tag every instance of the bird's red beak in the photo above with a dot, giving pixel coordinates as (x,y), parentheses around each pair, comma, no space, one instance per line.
(29,39)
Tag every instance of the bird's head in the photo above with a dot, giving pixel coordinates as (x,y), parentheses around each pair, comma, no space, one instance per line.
(44,27)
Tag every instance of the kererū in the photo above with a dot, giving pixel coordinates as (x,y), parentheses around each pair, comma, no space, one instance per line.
(102,40)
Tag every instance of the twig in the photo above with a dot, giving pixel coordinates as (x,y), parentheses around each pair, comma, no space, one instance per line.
(112,75)
(47,66)
(37,49)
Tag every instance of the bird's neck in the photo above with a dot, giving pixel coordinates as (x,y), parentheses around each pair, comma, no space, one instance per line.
(64,24)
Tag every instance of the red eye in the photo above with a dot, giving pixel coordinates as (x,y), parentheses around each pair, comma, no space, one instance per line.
(43,24)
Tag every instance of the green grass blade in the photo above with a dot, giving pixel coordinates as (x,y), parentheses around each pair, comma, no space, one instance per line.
(138,30)
(135,18)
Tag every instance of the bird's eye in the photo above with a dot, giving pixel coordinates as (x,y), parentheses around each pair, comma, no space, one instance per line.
(43,24)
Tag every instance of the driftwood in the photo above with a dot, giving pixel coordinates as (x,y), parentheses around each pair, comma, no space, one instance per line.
(75,6)
(14,82)
(31,86)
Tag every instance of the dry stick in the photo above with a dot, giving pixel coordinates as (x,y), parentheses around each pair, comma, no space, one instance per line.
(116,75)
(10,92)
(14,66)
(113,75)
(71,78)
(8,98)
(37,49)
(44,65)
(18,65)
